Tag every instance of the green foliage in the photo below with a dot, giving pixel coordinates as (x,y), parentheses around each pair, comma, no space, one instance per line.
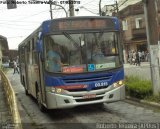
(138,88)
(153,98)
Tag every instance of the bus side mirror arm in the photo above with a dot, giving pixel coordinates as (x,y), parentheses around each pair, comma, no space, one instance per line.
(39,43)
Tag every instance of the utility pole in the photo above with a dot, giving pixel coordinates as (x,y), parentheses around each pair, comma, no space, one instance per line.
(71,8)
(51,9)
(121,33)
(100,11)
(152,40)
(56,5)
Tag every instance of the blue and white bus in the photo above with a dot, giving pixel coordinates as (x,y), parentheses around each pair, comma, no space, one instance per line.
(73,61)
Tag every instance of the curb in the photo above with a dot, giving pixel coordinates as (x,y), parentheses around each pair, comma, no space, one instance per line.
(11,100)
(148,103)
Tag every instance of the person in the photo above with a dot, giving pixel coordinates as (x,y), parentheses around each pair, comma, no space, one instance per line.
(147,56)
(15,67)
(54,60)
(143,56)
(137,59)
(134,58)
(130,55)
(140,55)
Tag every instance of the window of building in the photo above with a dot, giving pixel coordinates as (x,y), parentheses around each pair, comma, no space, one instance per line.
(125,25)
(138,23)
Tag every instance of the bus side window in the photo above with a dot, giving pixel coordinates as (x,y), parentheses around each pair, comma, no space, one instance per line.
(22,56)
(29,53)
(34,53)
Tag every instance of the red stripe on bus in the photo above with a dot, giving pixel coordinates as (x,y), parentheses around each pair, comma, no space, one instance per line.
(72,87)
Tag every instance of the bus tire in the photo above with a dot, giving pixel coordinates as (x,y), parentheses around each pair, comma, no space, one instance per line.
(26,91)
(39,101)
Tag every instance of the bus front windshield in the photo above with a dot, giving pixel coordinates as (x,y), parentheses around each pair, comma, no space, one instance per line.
(78,53)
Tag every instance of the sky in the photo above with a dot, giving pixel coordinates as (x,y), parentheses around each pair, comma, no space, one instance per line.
(17,24)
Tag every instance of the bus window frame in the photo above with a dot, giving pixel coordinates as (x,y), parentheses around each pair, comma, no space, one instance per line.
(75,32)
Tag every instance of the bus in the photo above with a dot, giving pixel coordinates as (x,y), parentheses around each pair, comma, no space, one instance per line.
(74,61)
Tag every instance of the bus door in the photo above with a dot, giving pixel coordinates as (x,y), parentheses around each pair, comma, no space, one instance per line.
(26,70)
(40,74)
(42,86)
(28,60)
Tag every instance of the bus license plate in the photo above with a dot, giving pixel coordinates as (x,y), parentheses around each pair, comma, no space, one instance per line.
(88,96)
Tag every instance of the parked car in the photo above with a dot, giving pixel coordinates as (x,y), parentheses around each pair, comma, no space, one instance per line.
(5,65)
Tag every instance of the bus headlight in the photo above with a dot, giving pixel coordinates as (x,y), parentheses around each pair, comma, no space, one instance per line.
(118,84)
(57,90)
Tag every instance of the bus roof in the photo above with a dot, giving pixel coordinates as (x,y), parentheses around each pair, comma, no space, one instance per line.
(44,26)
(82,17)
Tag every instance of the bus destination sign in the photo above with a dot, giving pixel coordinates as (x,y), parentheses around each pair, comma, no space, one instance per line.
(82,24)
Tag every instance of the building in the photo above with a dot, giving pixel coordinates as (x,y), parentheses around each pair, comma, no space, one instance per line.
(131,16)
(3,46)
(133,28)
(124,3)
(10,54)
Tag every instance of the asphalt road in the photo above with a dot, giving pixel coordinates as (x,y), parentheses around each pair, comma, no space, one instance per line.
(117,115)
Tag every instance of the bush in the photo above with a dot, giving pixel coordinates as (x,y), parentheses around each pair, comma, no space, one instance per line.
(138,88)
(153,98)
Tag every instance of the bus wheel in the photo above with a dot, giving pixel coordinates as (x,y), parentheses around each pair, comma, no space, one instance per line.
(26,91)
(39,101)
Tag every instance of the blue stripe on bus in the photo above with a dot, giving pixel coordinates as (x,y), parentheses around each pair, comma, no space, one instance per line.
(59,81)
(46,26)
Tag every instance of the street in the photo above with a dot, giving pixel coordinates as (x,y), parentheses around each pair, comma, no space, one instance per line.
(118,112)
(143,71)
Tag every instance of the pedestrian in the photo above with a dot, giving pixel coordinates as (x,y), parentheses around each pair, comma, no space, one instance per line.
(143,56)
(137,59)
(140,56)
(130,55)
(134,58)
(147,56)
(15,67)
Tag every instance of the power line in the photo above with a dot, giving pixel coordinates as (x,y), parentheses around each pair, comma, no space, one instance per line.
(33,15)
(15,24)
(17,36)
(123,3)
(15,28)
(20,21)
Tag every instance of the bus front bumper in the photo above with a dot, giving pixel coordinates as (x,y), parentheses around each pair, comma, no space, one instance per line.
(55,101)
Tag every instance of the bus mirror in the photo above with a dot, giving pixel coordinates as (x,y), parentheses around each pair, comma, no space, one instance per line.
(39,35)
(39,46)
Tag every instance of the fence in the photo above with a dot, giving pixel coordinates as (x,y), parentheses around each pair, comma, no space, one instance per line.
(11,99)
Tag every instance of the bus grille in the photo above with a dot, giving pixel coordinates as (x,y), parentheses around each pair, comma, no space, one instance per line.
(87,79)
(90,99)
(84,89)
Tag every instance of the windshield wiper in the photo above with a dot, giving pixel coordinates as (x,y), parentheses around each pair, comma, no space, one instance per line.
(71,39)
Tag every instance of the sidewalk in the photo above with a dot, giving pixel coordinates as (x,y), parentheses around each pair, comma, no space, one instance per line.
(5,116)
(143,64)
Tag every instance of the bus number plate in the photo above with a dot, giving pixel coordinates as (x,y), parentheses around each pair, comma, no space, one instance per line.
(88,96)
